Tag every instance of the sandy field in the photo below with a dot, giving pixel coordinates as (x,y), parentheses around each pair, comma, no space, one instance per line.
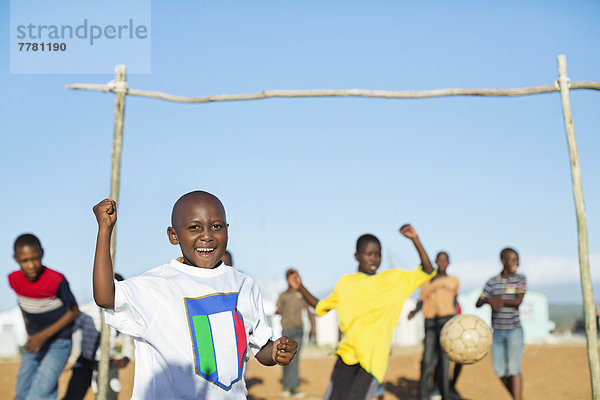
(549,371)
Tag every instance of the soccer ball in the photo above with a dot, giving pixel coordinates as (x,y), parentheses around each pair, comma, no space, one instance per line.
(466,339)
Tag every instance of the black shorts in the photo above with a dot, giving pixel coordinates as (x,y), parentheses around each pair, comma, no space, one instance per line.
(350,382)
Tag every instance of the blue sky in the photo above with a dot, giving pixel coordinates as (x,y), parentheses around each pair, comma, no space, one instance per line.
(301,179)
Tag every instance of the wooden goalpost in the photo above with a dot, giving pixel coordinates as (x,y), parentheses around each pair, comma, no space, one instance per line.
(563,85)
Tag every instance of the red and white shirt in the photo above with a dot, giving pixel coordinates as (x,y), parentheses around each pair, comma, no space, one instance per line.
(44,301)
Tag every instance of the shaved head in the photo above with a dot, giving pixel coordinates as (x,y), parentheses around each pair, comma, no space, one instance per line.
(198,196)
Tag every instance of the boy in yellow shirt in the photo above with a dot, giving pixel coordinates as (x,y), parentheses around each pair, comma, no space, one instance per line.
(368,307)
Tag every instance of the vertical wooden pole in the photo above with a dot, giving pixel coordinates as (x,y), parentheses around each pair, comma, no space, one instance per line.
(584,263)
(120,89)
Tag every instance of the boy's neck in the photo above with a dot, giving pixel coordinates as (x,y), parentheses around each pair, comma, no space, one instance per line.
(505,273)
(367,274)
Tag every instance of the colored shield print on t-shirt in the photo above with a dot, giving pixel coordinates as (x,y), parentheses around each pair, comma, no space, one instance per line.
(219,337)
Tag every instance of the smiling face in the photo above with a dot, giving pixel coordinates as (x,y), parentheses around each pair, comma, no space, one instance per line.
(29,258)
(199,228)
(368,257)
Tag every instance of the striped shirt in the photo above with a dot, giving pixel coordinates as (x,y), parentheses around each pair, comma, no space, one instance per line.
(44,301)
(90,337)
(506,289)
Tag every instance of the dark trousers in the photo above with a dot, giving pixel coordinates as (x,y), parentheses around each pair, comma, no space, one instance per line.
(80,379)
(434,358)
(291,371)
(350,382)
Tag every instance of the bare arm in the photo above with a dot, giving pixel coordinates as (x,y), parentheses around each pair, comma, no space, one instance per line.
(296,283)
(313,324)
(35,342)
(481,301)
(515,302)
(279,352)
(416,310)
(495,302)
(104,287)
(408,231)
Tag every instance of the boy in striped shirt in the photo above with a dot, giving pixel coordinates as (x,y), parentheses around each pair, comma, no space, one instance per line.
(504,293)
(49,309)
(192,319)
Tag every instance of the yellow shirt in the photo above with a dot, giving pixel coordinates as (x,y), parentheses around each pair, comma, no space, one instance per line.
(368,308)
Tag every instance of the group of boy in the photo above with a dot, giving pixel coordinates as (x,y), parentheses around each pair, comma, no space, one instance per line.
(438,300)
(194,319)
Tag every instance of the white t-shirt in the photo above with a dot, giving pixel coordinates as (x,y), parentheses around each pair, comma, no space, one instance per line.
(191,327)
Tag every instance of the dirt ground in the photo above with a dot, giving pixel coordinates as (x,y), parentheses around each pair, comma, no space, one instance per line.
(550,372)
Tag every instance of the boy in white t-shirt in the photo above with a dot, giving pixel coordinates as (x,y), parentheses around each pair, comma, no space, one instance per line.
(192,319)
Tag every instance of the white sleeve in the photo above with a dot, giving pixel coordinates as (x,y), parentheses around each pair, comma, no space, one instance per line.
(128,316)
(261,332)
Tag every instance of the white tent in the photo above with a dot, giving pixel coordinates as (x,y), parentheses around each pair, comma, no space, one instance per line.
(12,332)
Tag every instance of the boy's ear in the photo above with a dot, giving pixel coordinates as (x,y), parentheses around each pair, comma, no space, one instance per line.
(356,256)
(172,236)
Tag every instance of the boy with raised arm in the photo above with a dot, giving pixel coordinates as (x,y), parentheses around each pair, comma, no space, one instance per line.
(368,306)
(290,305)
(438,301)
(193,318)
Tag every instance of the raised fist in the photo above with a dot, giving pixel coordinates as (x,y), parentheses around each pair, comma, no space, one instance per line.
(106,213)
